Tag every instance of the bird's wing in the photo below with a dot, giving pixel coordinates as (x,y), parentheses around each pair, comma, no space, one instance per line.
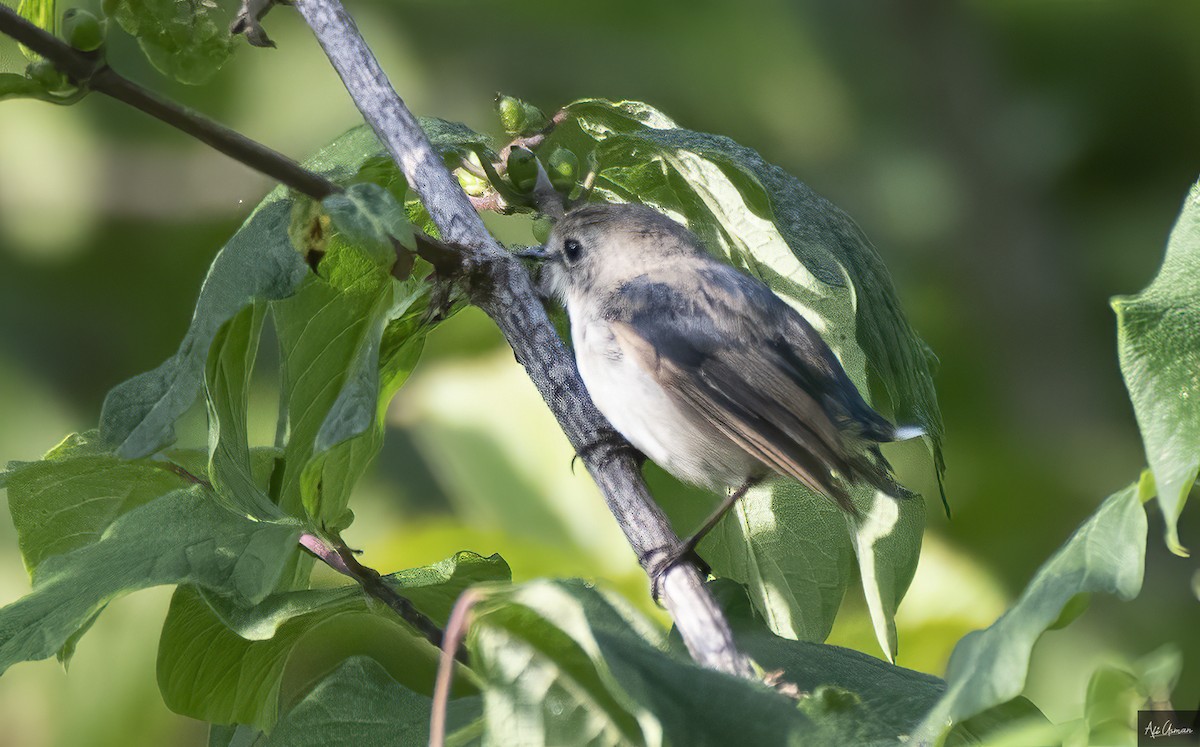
(730,351)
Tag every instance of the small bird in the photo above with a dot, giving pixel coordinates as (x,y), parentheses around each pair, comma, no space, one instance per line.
(703,368)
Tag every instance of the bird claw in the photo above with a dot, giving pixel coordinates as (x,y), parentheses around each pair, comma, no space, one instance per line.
(658,562)
(608,445)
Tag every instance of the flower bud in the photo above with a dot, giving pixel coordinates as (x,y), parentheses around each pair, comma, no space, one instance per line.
(519,118)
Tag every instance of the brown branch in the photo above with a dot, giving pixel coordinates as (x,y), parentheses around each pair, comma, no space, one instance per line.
(500,286)
(90,70)
(341,558)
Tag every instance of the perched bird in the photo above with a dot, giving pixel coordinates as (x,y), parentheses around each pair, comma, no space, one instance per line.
(703,368)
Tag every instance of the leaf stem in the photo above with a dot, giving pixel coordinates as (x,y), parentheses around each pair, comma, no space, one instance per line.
(500,286)
(456,631)
(91,71)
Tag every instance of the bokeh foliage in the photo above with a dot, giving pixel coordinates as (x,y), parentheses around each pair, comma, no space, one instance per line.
(885,160)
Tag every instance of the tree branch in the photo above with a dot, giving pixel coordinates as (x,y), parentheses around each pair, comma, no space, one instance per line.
(91,71)
(501,287)
(341,558)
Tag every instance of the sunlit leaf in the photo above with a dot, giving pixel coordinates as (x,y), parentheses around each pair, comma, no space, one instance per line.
(1158,334)
(562,665)
(350,340)
(68,499)
(187,40)
(790,548)
(42,14)
(988,667)
(887,543)
(369,217)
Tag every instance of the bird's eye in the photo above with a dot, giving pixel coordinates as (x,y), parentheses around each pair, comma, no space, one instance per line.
(572,250)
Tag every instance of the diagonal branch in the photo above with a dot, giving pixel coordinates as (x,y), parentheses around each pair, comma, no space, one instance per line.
(89,70)
(341,558)
(500,286)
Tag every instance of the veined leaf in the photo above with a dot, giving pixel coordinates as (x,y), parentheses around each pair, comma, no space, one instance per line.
(259,262)
(360,703)
(789,547)
(1158,335)
(67,500)
(563,662)
(181,537)
(368,216)
(185,40)
(772,226)
(988,667)
(226,663)
(350,338)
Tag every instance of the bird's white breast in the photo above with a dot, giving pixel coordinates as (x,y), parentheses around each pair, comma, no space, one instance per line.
(642,411)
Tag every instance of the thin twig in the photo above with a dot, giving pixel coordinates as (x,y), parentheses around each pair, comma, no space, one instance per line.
(499,285)
(456,630)
(90,70)
(529,142)
(341,558)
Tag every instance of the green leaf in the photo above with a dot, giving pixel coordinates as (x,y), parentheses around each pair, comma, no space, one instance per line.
(258,263)
(887,543)
(226,663)
(775,228)
(68,500)
(227,382)
(225,735)
(360,703)
(357,155)
(184,40)
(987,668)
(789,547)
(1158,336)
(563,663)
(16,86)
(369,217)
(350,337)
(181,537)
(42,14)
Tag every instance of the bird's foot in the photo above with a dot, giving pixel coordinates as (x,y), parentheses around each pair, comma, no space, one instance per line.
(658,562)
(606,447)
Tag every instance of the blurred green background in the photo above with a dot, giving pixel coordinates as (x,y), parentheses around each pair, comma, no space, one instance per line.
(1015,163)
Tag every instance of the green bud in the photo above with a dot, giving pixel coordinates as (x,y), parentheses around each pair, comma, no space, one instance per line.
(110,7)
(541,229)
(512,114)
(519,118)
(563,168)
(83,30)
(522,169)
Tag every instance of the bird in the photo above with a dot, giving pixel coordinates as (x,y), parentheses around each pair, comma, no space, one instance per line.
(703,368)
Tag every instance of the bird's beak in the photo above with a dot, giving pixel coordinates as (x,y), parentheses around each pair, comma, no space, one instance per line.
(534,252)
